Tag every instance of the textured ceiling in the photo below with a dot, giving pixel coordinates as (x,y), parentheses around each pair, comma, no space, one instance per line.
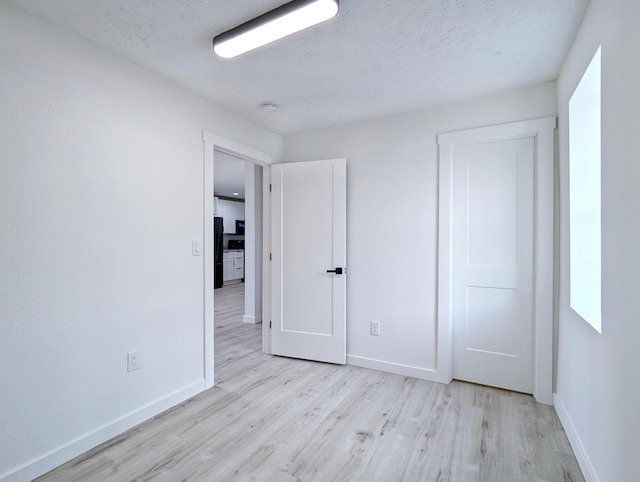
(377,57)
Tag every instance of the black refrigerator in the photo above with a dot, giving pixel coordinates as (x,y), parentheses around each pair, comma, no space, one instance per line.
(217,252)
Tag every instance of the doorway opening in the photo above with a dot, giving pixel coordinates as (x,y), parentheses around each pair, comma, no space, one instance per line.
(254,267)
(237,206)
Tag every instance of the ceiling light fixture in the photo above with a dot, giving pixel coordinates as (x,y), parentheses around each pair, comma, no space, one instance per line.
(276,24)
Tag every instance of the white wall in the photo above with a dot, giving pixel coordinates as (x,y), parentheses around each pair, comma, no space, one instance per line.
(392,218)
(101,193)
(253,243)
(598,376)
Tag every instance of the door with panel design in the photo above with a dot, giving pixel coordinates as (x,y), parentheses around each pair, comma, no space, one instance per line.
(492,251)
(308,242)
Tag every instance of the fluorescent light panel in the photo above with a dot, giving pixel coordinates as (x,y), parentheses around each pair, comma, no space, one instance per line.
(285,20)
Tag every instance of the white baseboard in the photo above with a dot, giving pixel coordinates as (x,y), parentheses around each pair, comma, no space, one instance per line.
(252,319)
(396,368)
(585,464)
(68,451)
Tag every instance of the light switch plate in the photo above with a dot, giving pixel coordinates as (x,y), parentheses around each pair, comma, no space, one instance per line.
(196,247)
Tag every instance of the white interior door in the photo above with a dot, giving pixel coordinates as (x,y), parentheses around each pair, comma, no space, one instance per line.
(493,208)
(308,215)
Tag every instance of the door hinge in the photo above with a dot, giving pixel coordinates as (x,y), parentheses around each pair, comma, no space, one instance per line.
(270,257)
(269,324)
(269,187)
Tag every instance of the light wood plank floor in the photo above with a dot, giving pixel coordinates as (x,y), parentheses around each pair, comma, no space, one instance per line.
(278,419)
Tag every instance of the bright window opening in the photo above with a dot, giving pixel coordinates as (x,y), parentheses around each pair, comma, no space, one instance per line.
(584,195)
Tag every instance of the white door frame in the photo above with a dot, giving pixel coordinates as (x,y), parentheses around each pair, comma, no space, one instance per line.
(210,142)
(542,131)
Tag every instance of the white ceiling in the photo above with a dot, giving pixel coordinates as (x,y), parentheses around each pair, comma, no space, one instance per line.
(377,57)
(228,175)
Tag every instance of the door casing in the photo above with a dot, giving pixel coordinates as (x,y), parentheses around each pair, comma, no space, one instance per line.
(542,131)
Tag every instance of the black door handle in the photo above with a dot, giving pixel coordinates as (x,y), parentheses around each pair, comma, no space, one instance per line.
(336,271)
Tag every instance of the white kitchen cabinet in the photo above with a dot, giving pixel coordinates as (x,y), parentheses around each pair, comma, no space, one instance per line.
(230,212)
(227,268)
(238,265)
(220,211)
(224,211)
(237,214)
(232,265)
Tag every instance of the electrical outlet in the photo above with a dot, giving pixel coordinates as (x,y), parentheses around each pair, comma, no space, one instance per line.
(375,328)
(133,360)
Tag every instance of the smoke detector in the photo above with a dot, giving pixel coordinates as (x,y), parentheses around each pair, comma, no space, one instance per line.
(269,107)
